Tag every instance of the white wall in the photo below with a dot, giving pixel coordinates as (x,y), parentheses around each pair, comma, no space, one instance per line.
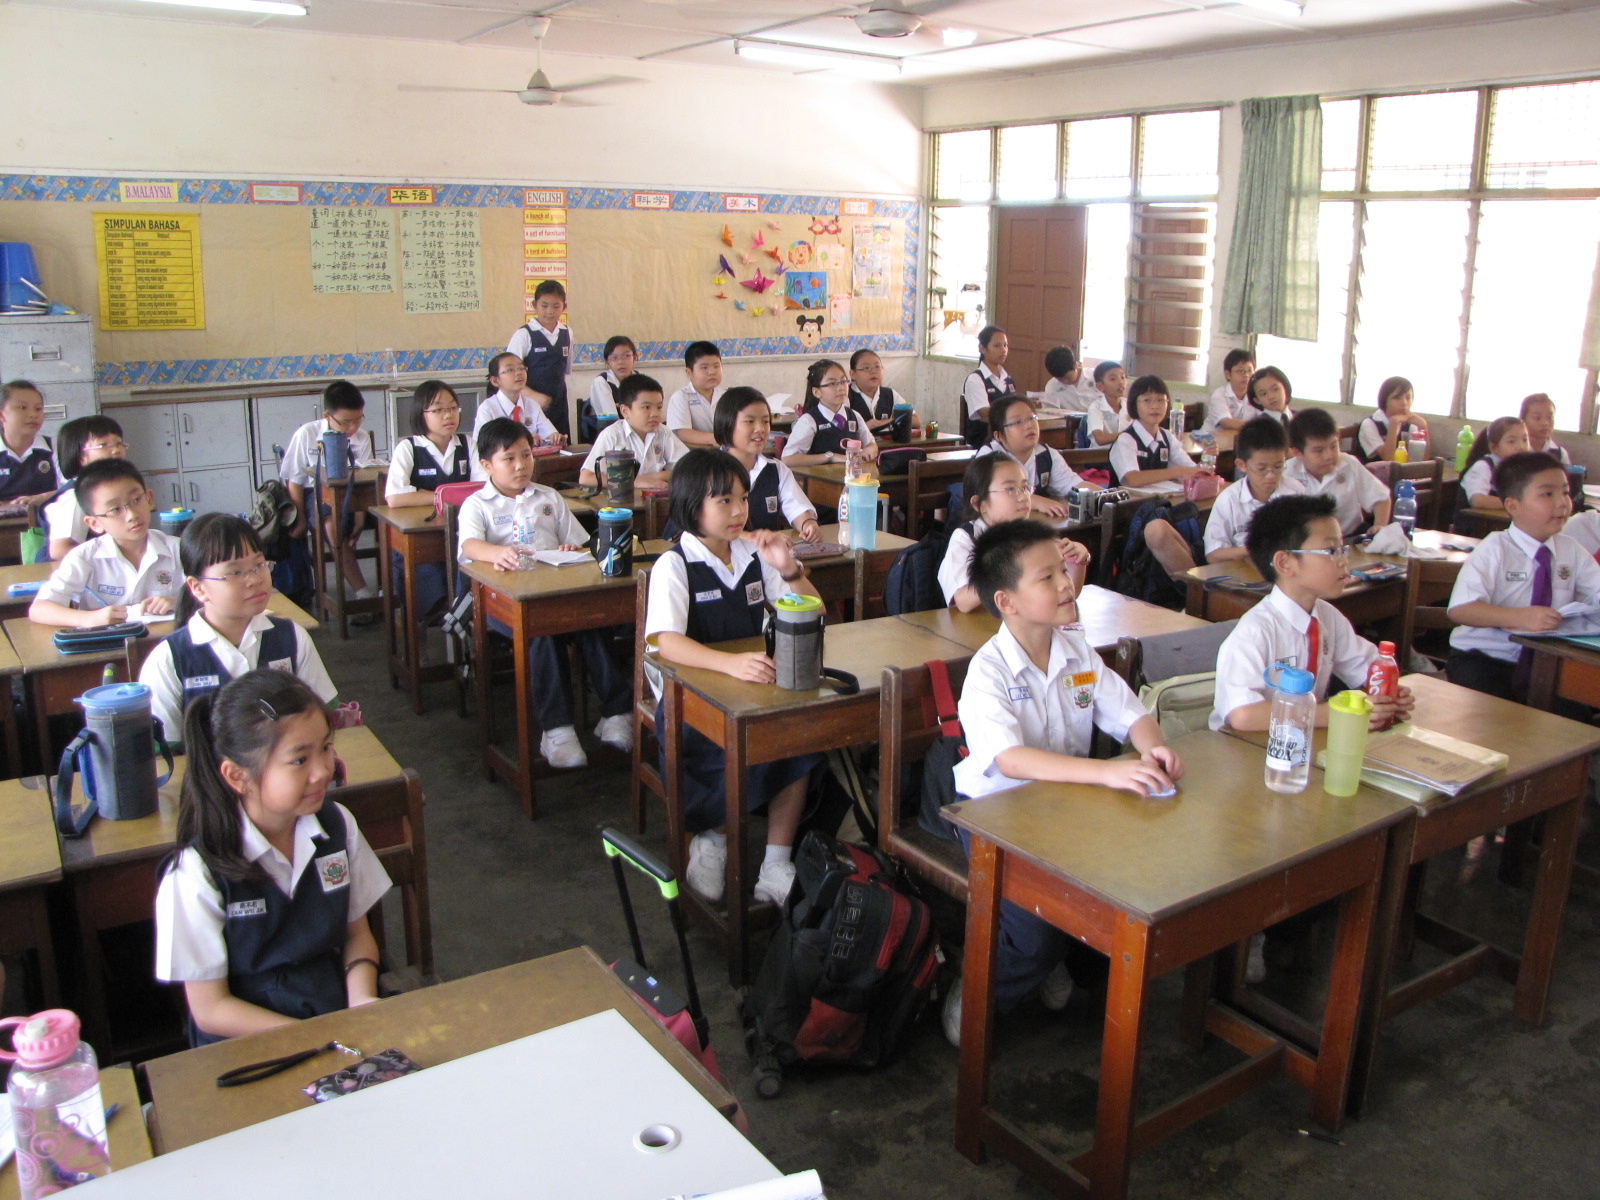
(90,93)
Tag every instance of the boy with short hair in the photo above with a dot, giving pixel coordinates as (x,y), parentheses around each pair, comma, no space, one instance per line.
(1321,468)
(1229,406)
(488,529)
(131,568)
(1297,545)
(1034,694)
(1067,390)
(544,345)
(1261,450)
(343,409)
(1107,416)
(655,449)
(690,409)
(1517,579)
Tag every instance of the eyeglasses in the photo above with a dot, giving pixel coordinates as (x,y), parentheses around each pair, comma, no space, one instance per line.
(1030,419)
(113,446)
(1262,471)
(1017,491)
(1336,553)
(449,411)
(833,383)
(118,512)
(241,575)
(346,422)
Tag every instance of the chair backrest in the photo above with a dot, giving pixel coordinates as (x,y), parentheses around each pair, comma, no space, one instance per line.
(1095,456)
(1191,656)
(641,601)
(554,469)
(907,727)
(872,580)
(1427,477)
(927,488)
(656,507)
(389,812)
(452,535)
(1429,583)
(1194,415)
(1347,437)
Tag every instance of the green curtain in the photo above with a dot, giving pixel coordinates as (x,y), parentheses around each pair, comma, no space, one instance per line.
(1271,286)
(1589,353)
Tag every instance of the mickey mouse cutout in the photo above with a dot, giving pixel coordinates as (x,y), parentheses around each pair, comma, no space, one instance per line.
(810,331)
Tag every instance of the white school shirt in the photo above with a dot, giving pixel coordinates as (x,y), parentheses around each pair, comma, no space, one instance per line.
(977,395)
(190,945)
(405,456)
(601,402)
(1479,479)
(805,429)
(488,515)
(1007,701)
(501,405)
(791,496)
(1356,491)
(667,610)
(166,689)
(1100,417)
(522,340)
(1233,510)
(64,515)
(1062,477)
(1278,630)
(1223,405)
(688,409)
(1070,397)
(1584,528)
(654,453)
(1500,572)
(955,568)
(1555,448)
(1124,458)
(300,459)
(95,575)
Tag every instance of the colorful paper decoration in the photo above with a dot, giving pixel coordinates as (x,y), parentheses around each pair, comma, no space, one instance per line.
(727,236)
(757,241)
(727,267)
(808,289)
(759,284)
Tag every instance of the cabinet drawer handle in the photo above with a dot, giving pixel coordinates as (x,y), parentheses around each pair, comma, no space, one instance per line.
(193,495)
(188,425)
(45,354)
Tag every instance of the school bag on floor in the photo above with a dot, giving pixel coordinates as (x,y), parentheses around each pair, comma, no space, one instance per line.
(848,968)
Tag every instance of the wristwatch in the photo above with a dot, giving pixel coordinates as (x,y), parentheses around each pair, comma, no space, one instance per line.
(830,458)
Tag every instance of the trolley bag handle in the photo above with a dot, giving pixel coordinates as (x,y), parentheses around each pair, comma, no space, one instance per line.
(621,848)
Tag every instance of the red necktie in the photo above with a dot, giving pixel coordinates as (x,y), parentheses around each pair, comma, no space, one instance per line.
(1314,638)
(516,412)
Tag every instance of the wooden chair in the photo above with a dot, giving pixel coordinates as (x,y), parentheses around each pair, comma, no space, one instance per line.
(1347,437)
(1093,456)
(646,755)
(1194,415)
(1164,656)
(928,488)
(1428,479)
(872,580)
(324,555)
(656,509)
(389,812)
(1428,587)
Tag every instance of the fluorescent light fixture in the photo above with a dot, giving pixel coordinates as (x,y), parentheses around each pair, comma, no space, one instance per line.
(1282,8)
(958,37)
(270,8)
(862,66)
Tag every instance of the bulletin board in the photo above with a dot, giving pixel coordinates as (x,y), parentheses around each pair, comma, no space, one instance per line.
(663,267)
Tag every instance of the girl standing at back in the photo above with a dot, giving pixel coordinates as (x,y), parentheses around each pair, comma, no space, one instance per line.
(262,911)
(223,627)
(83,441)
(1499,439)
(1270,392)
(1392,424)
(713,586)
(1539,415)
(742,423)
(987,383)
(436,453)
(993,491)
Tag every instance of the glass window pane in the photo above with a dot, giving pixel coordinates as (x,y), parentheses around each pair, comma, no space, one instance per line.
(1028,162)
(1546,137)
(1178,154)
(1105,289)
(1526,333)
(1408,316)
(963,170)
(1423,143)
(1099,158)
(1317,368)
(960,266)
(1341,144)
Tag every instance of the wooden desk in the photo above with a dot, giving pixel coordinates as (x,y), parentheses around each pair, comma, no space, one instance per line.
(757,723)
(560,467)
(834,577)
(10,665)
(1481,522)
(53,680)
(1104,614)
(129,1144)
(1054,431)
(416,535)
(112,868)
(1548,774)
(25,573)
(433,1026)
(1222,447)
(1220,861)
(30,861)
(825,481)
(1561,669)
(11,530)
(362,485)
(539,602)
(587,509)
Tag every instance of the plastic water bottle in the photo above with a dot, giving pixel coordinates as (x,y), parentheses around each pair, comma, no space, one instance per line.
(1401,454)
(523,531)
(1405,507)
(1294,715)
(56,1110)
(1383,676)
(1463,447)
(853,460)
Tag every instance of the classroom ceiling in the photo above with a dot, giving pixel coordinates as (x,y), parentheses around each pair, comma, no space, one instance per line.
(957,38)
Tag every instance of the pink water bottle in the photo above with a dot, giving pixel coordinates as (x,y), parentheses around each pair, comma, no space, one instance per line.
(56,1111)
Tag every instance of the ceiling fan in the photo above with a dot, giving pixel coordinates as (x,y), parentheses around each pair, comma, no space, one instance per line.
(539,91)
(894,19)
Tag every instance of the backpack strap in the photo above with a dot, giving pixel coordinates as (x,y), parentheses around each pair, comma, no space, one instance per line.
(944,701)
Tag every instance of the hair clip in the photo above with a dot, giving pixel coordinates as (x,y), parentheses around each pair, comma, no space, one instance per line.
(267,710)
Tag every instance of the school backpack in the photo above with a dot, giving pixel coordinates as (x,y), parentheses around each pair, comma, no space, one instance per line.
(848,968)
(1140,574)
(938,783)
(913,582)
(271,514)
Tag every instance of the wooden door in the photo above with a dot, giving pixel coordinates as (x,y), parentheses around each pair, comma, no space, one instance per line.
(1040,254)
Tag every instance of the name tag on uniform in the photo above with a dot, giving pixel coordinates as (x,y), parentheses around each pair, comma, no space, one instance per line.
(503,520)
(772,504)
(707,597)
(247,908)
(111,589)
(286,665)
(1081,685)
(201,681)
(1021,693)
(427,470)
(1516,577)
(755,593)
(333,871)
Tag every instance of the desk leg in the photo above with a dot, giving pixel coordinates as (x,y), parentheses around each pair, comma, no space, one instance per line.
(482,681)
(1380,961)
(525,726)
(1550,888)
(1336,1052)
(1119,1057)
(984,866)
(386,582)
(96,1020)
(8,722)
(1195,598)
(413,621)
(41,721)
(670,736)
(737,898)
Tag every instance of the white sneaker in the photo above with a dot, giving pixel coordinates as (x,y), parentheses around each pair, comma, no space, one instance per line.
(1255,969)
(774,882)
(951,1017)
(616,731)
(1056,989)
(561,748)
(707,872)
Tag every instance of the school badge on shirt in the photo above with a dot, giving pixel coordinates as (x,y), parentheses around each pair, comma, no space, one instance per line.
(1082,687)
(772,507)
(754,593)
(1563,572)
(333,870)
(164,578)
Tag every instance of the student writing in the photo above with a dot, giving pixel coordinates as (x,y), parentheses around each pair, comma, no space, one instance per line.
(1069,388)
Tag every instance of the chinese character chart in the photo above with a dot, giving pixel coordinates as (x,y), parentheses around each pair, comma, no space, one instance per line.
(352,250)
(441,260)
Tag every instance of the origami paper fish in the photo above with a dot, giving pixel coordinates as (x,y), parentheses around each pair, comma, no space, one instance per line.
(727,236)
(725,265)
(759,284)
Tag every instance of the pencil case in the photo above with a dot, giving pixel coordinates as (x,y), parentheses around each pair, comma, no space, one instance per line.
(97,637)
(30,588)
(375,1068)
